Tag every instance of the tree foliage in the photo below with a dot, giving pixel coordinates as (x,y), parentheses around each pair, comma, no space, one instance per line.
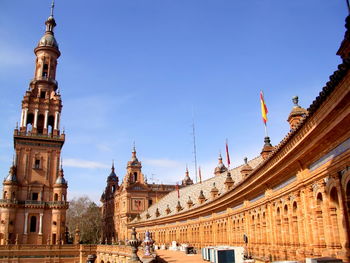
(84,214)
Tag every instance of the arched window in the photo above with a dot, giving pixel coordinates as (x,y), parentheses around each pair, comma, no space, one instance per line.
(40,124)
(56,197)
(135,176)
(30,120)
(50,124)
(334,215)
(45,70)
(32,224)
(5,194)
(319,219)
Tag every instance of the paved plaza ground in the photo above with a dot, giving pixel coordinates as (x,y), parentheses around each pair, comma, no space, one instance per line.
(179,256)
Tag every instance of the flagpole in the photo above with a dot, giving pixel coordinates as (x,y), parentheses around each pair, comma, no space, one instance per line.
(266,134)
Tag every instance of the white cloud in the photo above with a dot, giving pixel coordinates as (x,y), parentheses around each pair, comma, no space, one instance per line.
(77,163)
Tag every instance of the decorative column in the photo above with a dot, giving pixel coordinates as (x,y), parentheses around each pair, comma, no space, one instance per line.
(25,223)
(57,114)
(25,117)
(45,121)
(35,118)
(41,224)
(22,116)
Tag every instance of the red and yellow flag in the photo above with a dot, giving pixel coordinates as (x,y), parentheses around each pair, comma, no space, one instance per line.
(263,108)
(200,174)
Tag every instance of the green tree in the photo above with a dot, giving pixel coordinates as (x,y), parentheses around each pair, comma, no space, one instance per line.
(85,214)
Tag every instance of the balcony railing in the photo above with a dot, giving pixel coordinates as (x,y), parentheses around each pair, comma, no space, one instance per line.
(34,202)
(39,135)
(45,79)
(8,201)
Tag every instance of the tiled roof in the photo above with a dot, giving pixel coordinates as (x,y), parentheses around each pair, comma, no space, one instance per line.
(193,192)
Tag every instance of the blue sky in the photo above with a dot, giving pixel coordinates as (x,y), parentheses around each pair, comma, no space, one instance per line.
(138,70)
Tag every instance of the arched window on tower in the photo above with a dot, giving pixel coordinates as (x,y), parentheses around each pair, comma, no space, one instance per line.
(30,120)
(40,125)
(32,224)
(45,70)
(135,176)
(56,197)
(50,124)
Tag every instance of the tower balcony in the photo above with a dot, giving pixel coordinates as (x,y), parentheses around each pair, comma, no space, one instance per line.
(28,137)
(35,135)
(44,79)
(7,203)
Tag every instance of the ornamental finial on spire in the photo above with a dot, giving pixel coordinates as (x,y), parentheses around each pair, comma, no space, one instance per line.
(52,7)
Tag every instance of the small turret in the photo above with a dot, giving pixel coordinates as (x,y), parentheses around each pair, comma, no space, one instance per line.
(189,202)
(112,178)
(229,182)
(11,177)
(167,210)
(201,197)
(267,149)
(10,184)
(157,212)
(214,192)
(220,168)
(187,180)
(297,114)
(246,169)
(134,174)
(60,187)
(178,206)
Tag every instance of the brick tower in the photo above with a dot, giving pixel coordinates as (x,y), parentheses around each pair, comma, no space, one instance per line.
(33,208)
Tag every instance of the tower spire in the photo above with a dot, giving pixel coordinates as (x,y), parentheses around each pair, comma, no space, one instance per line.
(52,7)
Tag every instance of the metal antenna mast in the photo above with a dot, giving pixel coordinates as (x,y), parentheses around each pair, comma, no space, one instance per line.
(194,148)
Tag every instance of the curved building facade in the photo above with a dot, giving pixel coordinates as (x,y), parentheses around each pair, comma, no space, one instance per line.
(292,202)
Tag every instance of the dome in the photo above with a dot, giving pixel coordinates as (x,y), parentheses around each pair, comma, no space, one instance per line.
(48,40)
(11,178)
(220,168)
(112,177)
(297,110)
(187,180)
(60,180)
